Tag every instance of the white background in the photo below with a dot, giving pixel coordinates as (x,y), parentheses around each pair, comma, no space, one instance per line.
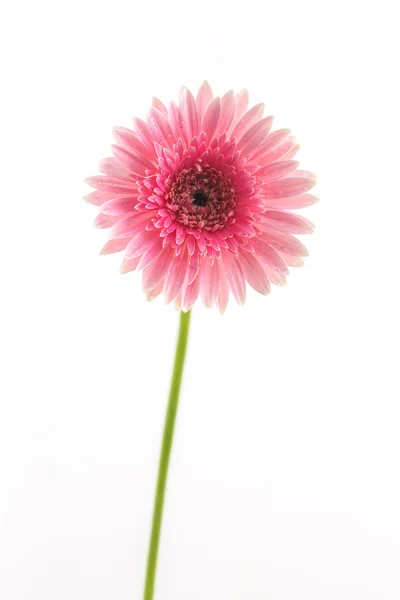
(285,481)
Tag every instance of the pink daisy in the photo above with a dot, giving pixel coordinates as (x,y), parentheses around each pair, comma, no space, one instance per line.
(199,198)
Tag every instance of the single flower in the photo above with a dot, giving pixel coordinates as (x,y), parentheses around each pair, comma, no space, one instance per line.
(199,197)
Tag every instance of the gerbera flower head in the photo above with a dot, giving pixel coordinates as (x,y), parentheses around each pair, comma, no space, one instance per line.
(198,197)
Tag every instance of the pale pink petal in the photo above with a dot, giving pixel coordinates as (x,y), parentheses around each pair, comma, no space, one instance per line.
(252,116)
(235,277)
(110,166)
(223,291)
(160,129)
(306,174)
(156,271)
(203,99)
(278,139)
(143,133)
(126,137)
(151,253)
(105,183)
(210,278)
(285,149)
(193,267)
(174,120)
(268,256)
(114,246)
(98,198)
(254,273)
(255,135)
(289,186)
(241,104)
(292,203)
(211,118)
(132,225)
(286,221)
(277,170)
(284,242)
(140,243)
(119,206)
(274,276)
(133,161)
(103,221)
(291,153)
(188,113)
(155,292)
(292,261)
(175,276)
(228,105)
(178,302)
(158,105)
(190,293)
(129,264)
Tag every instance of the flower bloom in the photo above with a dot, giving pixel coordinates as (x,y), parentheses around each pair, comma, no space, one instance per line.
(198,197)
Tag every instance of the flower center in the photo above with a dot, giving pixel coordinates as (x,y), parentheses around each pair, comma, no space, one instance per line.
(202,197)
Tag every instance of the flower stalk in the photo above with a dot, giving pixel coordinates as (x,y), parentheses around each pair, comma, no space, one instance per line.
(169,428)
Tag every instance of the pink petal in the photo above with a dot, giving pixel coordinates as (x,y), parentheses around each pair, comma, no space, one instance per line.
(285,149)
(175,121)
(292,203)
(194,266)
(235,277)
(188,112)
(114,246)
(223,292)
(133,161)
(254,273)
(268,256)
(210,278)
(126,137)
(306,174)
(151,253)
(277,170)
(132,225)
(287,187)
(155,292)
(160,129)
(141,243)
(211,118)
(158,105)
(110,166)
(175,276)
(274,140)
(104,221)
(98,198)
(255,135)
(241,105)
(228,104)
(252,115)
(178,302)
(143,133)
(111,184)
(190,293)
(292,261)
(156,271)
(284,242)
(129,264)
(286,221)
(119,206)
(203,99)
(275,277)
(291,153)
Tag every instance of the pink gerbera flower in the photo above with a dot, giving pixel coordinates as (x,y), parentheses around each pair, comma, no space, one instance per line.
(198,198)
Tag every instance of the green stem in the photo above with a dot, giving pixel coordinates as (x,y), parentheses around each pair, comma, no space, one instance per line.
(169,427)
